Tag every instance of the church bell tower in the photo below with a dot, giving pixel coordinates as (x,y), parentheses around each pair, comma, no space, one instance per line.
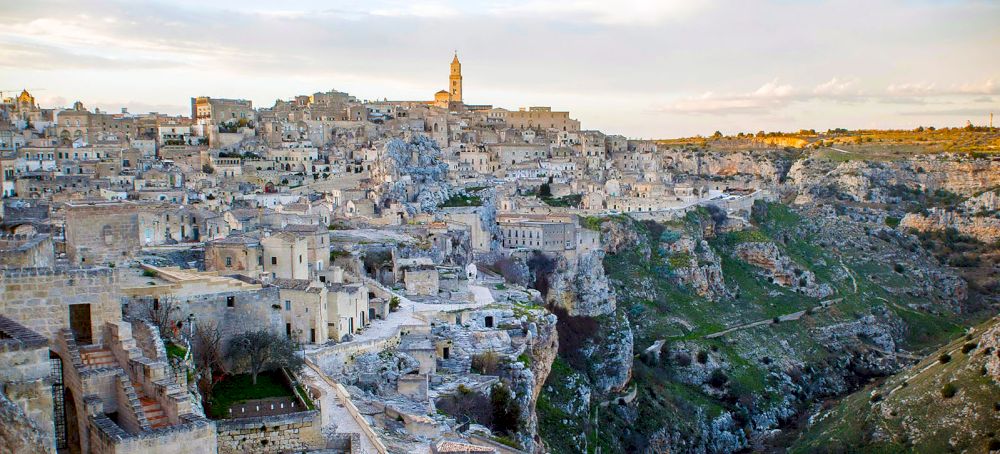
(455,80)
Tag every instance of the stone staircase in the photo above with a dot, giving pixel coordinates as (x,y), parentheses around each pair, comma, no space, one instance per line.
(152,410)
(97,357)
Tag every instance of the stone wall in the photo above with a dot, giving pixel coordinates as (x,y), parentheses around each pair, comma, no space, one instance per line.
(195,436)
(20,434)
(17,251)
(39,298)
(25,385)
(102,233)
(264,434)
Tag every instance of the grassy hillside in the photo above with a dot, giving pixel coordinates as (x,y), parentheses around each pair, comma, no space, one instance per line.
(712,391)
(934,406)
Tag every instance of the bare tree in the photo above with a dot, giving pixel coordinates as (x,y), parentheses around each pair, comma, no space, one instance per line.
(258,351)
(207,354)
(163,314)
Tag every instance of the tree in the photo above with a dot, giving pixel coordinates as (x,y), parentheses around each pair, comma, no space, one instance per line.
(259,351)
(506,410)
(545,190)
(163,314)
(207,353)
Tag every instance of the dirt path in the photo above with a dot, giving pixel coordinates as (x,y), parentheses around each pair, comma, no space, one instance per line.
(783,318)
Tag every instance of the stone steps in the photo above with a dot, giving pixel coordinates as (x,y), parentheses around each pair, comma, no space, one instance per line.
(97,357)
(152,409)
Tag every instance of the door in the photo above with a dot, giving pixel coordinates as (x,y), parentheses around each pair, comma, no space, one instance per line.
(79,322)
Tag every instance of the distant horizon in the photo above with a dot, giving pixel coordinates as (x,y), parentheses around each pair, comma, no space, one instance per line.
(643,69)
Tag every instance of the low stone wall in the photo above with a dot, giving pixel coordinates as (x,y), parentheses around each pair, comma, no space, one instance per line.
(195,435)
(263,434)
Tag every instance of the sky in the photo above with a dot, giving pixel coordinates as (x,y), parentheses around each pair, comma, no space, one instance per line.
(642,68)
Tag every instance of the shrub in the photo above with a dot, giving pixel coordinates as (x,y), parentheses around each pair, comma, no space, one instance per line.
(394,304)
(466,405)
(718,378)
(776,320)
(944,358)
(506,410)
(486,363)
(948,391)
(702,357)
(683,359)
(898,267)
(968,347)
(149,273)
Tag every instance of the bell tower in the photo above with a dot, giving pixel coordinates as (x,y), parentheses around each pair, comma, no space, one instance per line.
(455,80)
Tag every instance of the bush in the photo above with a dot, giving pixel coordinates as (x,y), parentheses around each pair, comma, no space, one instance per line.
(898,268)
(486,363)
(968,347)
(394,304)
(702,357)
(682,359)
(506,410)
(467,405)
(718,378)
(944,358)
(776,320)
(948,391)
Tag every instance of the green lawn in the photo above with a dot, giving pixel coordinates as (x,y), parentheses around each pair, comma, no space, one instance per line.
(239,388)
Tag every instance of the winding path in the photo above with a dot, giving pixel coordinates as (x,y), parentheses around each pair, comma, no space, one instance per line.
(783,318)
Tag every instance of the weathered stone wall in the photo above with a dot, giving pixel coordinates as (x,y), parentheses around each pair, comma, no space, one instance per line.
(39,298)
(22,251)
(24,384)
(265,434)
(194,436)
(102,233)
(20,434)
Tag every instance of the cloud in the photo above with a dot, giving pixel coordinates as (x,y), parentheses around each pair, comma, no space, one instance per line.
(989,87)
(417,9)
(621,12)
(770,96)
(836,87)
(911,89)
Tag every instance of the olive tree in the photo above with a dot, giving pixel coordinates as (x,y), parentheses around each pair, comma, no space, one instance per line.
(259,351)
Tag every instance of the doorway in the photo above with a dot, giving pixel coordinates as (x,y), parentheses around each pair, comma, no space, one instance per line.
(79,322)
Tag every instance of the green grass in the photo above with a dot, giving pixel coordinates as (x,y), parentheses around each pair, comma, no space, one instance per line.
(239,388)
(572,200)
(915,418)
(459,200)
(175,351)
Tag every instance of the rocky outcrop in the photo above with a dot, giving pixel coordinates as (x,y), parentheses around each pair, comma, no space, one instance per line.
(695,265)
(982,228)
(781,269)
(990,342)
(985,202)
(412,173)
(581,287)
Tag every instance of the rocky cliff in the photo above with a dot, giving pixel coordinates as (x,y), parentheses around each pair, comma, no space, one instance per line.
(982,228)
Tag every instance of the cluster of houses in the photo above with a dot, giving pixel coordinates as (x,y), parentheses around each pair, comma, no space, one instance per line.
(295,217)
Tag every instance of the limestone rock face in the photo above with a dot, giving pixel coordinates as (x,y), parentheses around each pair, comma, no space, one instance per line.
(991,340)
(871,180)
(581,287)
(987,201)
(697,266)
(782,269)
(412,173)
(982,228)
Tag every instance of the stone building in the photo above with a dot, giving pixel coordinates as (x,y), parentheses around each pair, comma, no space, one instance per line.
(101,232)
(112,390)
(303,309)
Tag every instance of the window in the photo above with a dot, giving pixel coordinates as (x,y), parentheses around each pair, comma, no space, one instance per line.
(230,301)
(229,262)
(156,304)
(288,305)
(274,260)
